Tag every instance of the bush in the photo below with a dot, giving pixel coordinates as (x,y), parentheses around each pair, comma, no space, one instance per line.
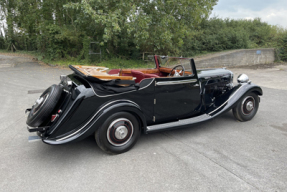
(2,43)
(283,48)
(216,34)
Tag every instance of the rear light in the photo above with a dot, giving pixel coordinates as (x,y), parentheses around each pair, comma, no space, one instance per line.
(54,117)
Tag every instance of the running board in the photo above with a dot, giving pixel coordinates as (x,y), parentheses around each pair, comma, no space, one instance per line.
(179,123)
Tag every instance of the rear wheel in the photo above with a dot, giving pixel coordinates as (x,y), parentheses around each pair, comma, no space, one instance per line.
(119,133)
(44,106)
(247,107)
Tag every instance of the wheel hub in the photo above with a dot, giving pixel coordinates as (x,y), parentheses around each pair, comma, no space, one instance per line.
(248,105)
(121,132)
(39,102)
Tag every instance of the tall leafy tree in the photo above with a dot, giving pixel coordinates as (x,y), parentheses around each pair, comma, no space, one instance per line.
(283,46)
(7,8)
(153,25)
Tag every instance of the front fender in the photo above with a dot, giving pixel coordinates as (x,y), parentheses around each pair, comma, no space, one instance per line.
(232,97)
(98,119)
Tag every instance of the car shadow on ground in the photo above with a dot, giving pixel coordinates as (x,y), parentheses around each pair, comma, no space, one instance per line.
(88,146)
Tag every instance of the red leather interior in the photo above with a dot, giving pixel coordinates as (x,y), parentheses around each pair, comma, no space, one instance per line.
(139,76)
(114,71)
(150,76)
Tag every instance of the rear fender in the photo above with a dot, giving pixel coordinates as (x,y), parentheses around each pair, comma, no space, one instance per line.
(98,119)
(232,97)
(121,106)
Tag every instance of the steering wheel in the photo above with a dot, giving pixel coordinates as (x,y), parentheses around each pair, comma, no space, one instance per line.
(177,74)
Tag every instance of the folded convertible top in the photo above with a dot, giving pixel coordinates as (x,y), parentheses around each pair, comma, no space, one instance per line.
(98,72)
(101,84)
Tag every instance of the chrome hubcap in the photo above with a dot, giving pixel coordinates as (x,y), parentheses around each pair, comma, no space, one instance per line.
(120,132)
(248,105)
(39,103)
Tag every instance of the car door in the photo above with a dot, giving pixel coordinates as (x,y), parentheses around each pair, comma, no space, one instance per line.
(175,98)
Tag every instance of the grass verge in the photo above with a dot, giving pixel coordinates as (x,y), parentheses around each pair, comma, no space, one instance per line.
(113,63)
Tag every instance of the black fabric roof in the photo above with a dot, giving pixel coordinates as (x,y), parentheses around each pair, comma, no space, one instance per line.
(106,87)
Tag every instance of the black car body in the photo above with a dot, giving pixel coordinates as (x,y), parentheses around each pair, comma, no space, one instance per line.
(116,114)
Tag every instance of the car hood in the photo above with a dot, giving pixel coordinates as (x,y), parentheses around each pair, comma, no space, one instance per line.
(213,73)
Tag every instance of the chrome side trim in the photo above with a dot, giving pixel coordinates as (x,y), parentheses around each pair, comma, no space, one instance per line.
(147,85)
(181,122)
(176,82)
(74,133)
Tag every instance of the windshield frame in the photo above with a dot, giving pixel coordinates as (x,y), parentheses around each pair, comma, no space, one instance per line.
(191,66)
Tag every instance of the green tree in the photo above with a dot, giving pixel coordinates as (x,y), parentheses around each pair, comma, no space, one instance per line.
(152,25)
(283,48)
(65,28)
(7,9)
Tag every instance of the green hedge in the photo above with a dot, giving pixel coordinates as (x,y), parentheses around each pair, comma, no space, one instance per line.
(224,34)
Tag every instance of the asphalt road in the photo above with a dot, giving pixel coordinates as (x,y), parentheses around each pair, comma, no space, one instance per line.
(219,155)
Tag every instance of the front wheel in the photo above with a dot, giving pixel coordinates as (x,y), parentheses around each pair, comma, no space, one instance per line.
(119,133)
(247,107)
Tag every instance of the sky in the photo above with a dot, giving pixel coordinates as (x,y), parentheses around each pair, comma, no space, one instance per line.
(273,12)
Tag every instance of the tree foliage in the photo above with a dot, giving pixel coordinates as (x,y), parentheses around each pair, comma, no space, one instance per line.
(126,28)
(283,48)
(216,34)
(58,28)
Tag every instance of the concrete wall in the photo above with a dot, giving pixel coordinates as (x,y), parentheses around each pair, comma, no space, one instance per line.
(236,58)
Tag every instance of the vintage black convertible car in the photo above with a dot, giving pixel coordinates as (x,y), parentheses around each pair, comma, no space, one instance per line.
(117,105)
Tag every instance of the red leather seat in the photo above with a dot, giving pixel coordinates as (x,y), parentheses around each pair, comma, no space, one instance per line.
(139,76)
(114,71)
(150,76)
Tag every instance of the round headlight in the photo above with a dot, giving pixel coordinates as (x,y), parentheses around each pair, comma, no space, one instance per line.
(242,78)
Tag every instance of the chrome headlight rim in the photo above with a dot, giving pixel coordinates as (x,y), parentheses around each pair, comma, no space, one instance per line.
(242,78)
